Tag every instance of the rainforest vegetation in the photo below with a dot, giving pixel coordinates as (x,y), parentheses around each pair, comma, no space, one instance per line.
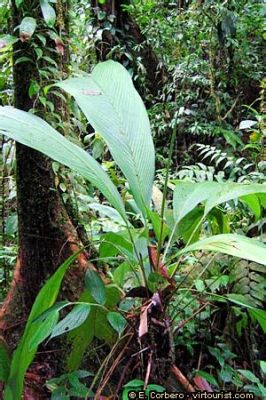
(133,198)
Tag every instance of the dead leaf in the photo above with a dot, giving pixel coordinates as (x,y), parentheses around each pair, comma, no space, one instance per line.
(156,301)
(59,45)
(167,114)
(202,384)
(153,259)
(143,326)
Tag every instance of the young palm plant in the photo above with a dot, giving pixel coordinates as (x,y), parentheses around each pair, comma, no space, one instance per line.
(130,313)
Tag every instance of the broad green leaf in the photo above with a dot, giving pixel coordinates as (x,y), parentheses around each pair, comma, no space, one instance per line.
(23,60)
(208,377)
(190,225)
(228,191)
(19,2)
(154,388)
(247,124)
(156,224)
(262,199)
(22,357)
(96,325)
(219,220)
(263,367)
(51,310)
(34,132)
(44,330)
(48,13)
(114,244)
(27,28)
(115,110)
(156,282)
(233,245)
(249,375)
(188,195)
(73,320)
(135,383)
(262,390)
(260,317)
(120,273)
(59,394)
(117,321)
(4,361)
(107,212)
(133,386)
(81,337)
(34,88)
(6,41)
(240,300)
(95,286)
(45,324)
(253,203)
(232,138)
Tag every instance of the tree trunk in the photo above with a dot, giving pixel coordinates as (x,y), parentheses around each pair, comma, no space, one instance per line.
(46,234)
(128,34)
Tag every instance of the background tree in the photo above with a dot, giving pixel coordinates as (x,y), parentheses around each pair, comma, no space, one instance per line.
(123,40)
(198,66)
(46,234)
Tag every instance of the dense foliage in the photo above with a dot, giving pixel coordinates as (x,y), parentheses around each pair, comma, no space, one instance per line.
(168,190)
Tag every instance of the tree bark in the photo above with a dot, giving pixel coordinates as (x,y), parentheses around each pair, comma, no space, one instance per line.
(128,34)
(46,234)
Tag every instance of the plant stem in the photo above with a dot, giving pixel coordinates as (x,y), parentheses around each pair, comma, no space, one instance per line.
(106,361)
(188,243)
(160,241)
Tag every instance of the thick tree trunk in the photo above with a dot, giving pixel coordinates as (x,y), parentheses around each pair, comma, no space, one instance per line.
(46,234)
(128,34)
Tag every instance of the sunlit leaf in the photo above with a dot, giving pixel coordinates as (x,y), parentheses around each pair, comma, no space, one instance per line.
(246,124)
(22,357)
(188,195)
(44,330)
(233,245)
(73,320)
(6,41)
(48,12)
(107,212)
(27,28)
(115,110)
(34,132)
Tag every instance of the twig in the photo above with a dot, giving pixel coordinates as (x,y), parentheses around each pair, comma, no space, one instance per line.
(160,241)
(182,379)
(121,380)
(231,109)
(148,371)
(112,368)
(199,360)
(185,321)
